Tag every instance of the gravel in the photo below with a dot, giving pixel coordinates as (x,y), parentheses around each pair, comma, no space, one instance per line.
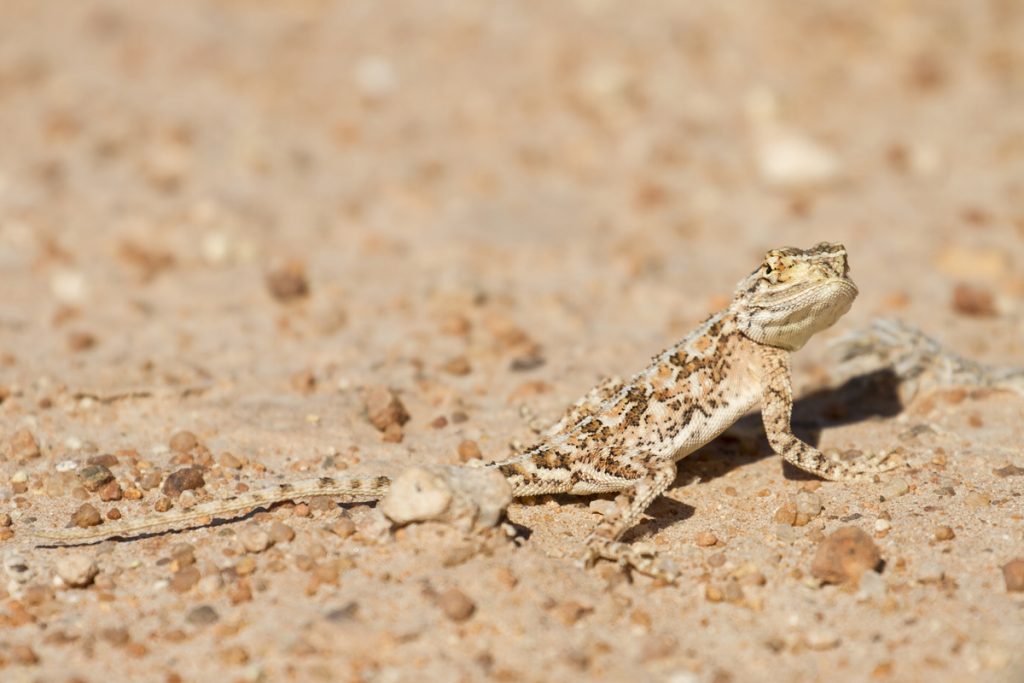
(77,571)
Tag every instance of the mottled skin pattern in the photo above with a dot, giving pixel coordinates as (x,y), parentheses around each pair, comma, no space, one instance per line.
(626,436)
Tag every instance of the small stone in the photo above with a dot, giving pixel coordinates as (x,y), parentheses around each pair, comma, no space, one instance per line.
(254,539)
(844,556)
(116,635)
(706,539)
(790,159)
(185,479)
(895,487)
(974,300)
(944,533)
(882,525)
(393,434)
(110,491)
(150,480)
(439,422)
(245,566)
(455,604)
(183,442)
(289,282)
(384,409)
(343,527)
(822,640)
(23,446)
(113,514)
(230,461)
(416,495)
(77,571)
(1013,575)
(976,500)
(469,450)
(786,514)
(86,516)
(80,340)
(184,579)
(281,533)
(808,504)
(5,520)
(183,555)
(106,459)
(163,505)
(202,615)
(458,366)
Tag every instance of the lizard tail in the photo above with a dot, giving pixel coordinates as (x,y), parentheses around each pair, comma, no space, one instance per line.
(350,489)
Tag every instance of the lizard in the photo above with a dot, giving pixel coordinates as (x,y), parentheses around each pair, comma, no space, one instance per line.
(627,436)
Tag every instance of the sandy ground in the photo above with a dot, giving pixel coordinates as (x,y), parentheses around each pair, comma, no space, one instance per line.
(492,205)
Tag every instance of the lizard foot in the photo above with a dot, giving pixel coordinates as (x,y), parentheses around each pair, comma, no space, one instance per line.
(639,557)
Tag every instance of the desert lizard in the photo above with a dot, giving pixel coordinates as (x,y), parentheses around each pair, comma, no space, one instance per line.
(626,436)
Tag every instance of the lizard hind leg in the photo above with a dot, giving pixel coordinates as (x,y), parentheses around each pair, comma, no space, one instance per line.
(654,477)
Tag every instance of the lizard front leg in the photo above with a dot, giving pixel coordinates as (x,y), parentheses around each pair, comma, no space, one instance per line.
(776,410)
(653,478)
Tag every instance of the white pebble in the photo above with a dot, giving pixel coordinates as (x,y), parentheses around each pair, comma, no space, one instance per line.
(66,466)
(416,495)
(77,571)
(882,525)
(254,539)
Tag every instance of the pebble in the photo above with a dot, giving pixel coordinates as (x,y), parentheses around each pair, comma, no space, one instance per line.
(976,500)
(788,158)
(77,570)
(23,445)
(184,479)
(184,579)
(281,533)
(469,450)
(183,442)
(895,487)
(288,283)
(944,533)
(706,539)
(202,615)
(110,491)
(844,556)
(416,495)
(254,539)
(822,640)
(384,409)
(974,300)
(455,604)
(5,520)
(1013,575)
(150,480)
(230,461)
(808,504)
(882,525)
(94,476)
(343,527)
(86,516)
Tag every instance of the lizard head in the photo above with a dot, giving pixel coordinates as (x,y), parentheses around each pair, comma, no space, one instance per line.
(794,294)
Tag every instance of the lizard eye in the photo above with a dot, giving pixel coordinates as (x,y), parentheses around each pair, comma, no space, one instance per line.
(767,269)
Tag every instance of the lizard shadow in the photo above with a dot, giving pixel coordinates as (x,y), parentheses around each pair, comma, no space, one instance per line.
(869,396)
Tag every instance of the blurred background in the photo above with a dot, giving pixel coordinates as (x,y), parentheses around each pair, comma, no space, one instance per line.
(586,168)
